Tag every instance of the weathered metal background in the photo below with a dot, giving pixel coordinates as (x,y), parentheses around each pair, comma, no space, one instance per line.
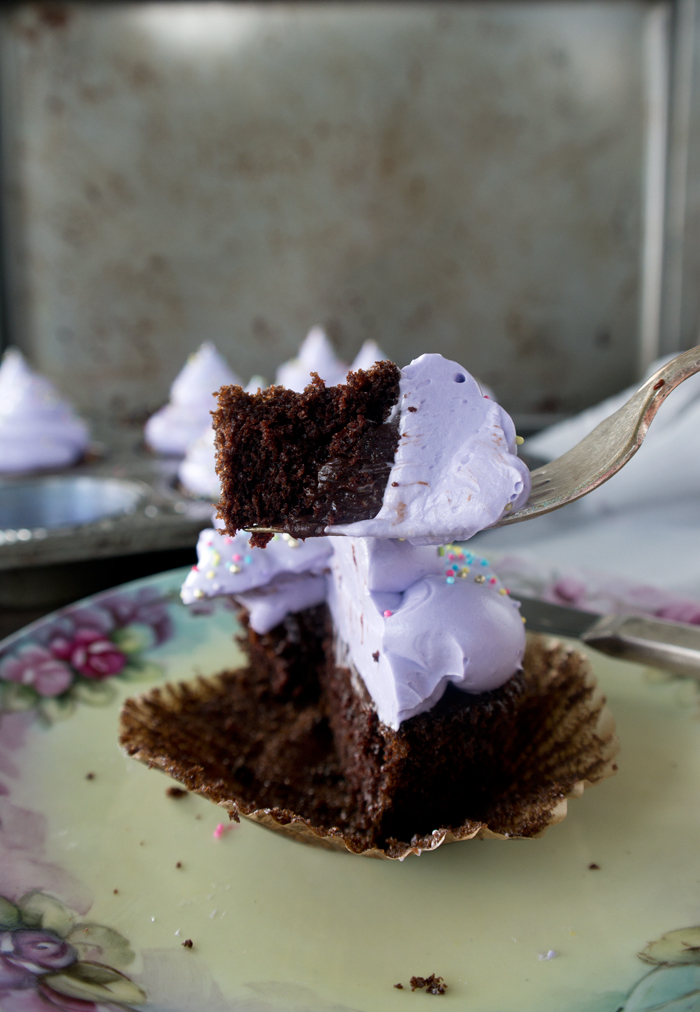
(457,178)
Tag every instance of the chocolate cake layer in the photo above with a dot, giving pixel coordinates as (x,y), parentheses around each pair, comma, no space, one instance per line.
(438,769)
(300,462)
(288,660)
(494,758)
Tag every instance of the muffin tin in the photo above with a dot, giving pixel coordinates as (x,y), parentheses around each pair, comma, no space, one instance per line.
(121,502)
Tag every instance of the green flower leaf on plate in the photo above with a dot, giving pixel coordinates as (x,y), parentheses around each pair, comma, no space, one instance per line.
(10,917)
(142,671)
(94,982)
(134,638)
(55,708)
(666,989)
(96,943)
(16,697)
(40,910)
(680,946)
(95,693)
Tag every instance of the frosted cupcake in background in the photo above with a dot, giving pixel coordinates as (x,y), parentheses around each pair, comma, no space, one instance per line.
(173,428)
(369,353)
(38,429)
(316,354)
(197,471)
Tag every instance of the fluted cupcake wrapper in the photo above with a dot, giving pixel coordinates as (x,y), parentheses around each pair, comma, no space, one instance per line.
(562,741)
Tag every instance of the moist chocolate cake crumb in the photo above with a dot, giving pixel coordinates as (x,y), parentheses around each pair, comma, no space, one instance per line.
(187,944)
(594,867)
(432,984)
(375,656)
(178,864)
(175,792)
(399,987)
(290,656)
(300,462)
(89,776)
(395,792)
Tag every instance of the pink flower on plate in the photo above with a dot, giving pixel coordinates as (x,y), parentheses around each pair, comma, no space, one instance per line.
(91,653)
(145,606)
(39,668)
(36,951)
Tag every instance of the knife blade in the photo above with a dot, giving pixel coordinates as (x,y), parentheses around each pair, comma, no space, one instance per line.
(671,646)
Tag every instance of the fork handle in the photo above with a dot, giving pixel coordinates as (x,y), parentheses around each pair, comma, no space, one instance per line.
(671,646)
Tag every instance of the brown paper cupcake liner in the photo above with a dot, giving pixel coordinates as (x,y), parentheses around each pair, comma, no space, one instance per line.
(220,737)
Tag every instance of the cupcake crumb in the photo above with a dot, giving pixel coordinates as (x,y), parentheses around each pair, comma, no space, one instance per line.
(432,984)
(178,864)
(175,792)
(375,656)
(115,891)
(187,944)
(594,867)
(399,987)
(89,776)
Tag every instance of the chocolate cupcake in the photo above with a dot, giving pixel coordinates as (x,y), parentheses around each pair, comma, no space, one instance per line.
(389,703)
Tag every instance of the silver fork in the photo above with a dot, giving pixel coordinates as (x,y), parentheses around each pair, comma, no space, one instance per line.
(607,448)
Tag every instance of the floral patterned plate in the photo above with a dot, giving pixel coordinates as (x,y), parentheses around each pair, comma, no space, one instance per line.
(118,892)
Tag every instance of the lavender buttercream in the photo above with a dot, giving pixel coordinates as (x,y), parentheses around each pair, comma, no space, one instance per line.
(456,469)
(410,621)
(37,428)
(285,577)
(188,413)
(269,605)
(197,470)
(316,354)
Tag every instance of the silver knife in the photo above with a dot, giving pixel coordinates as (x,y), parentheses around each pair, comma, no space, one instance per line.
(672,646)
